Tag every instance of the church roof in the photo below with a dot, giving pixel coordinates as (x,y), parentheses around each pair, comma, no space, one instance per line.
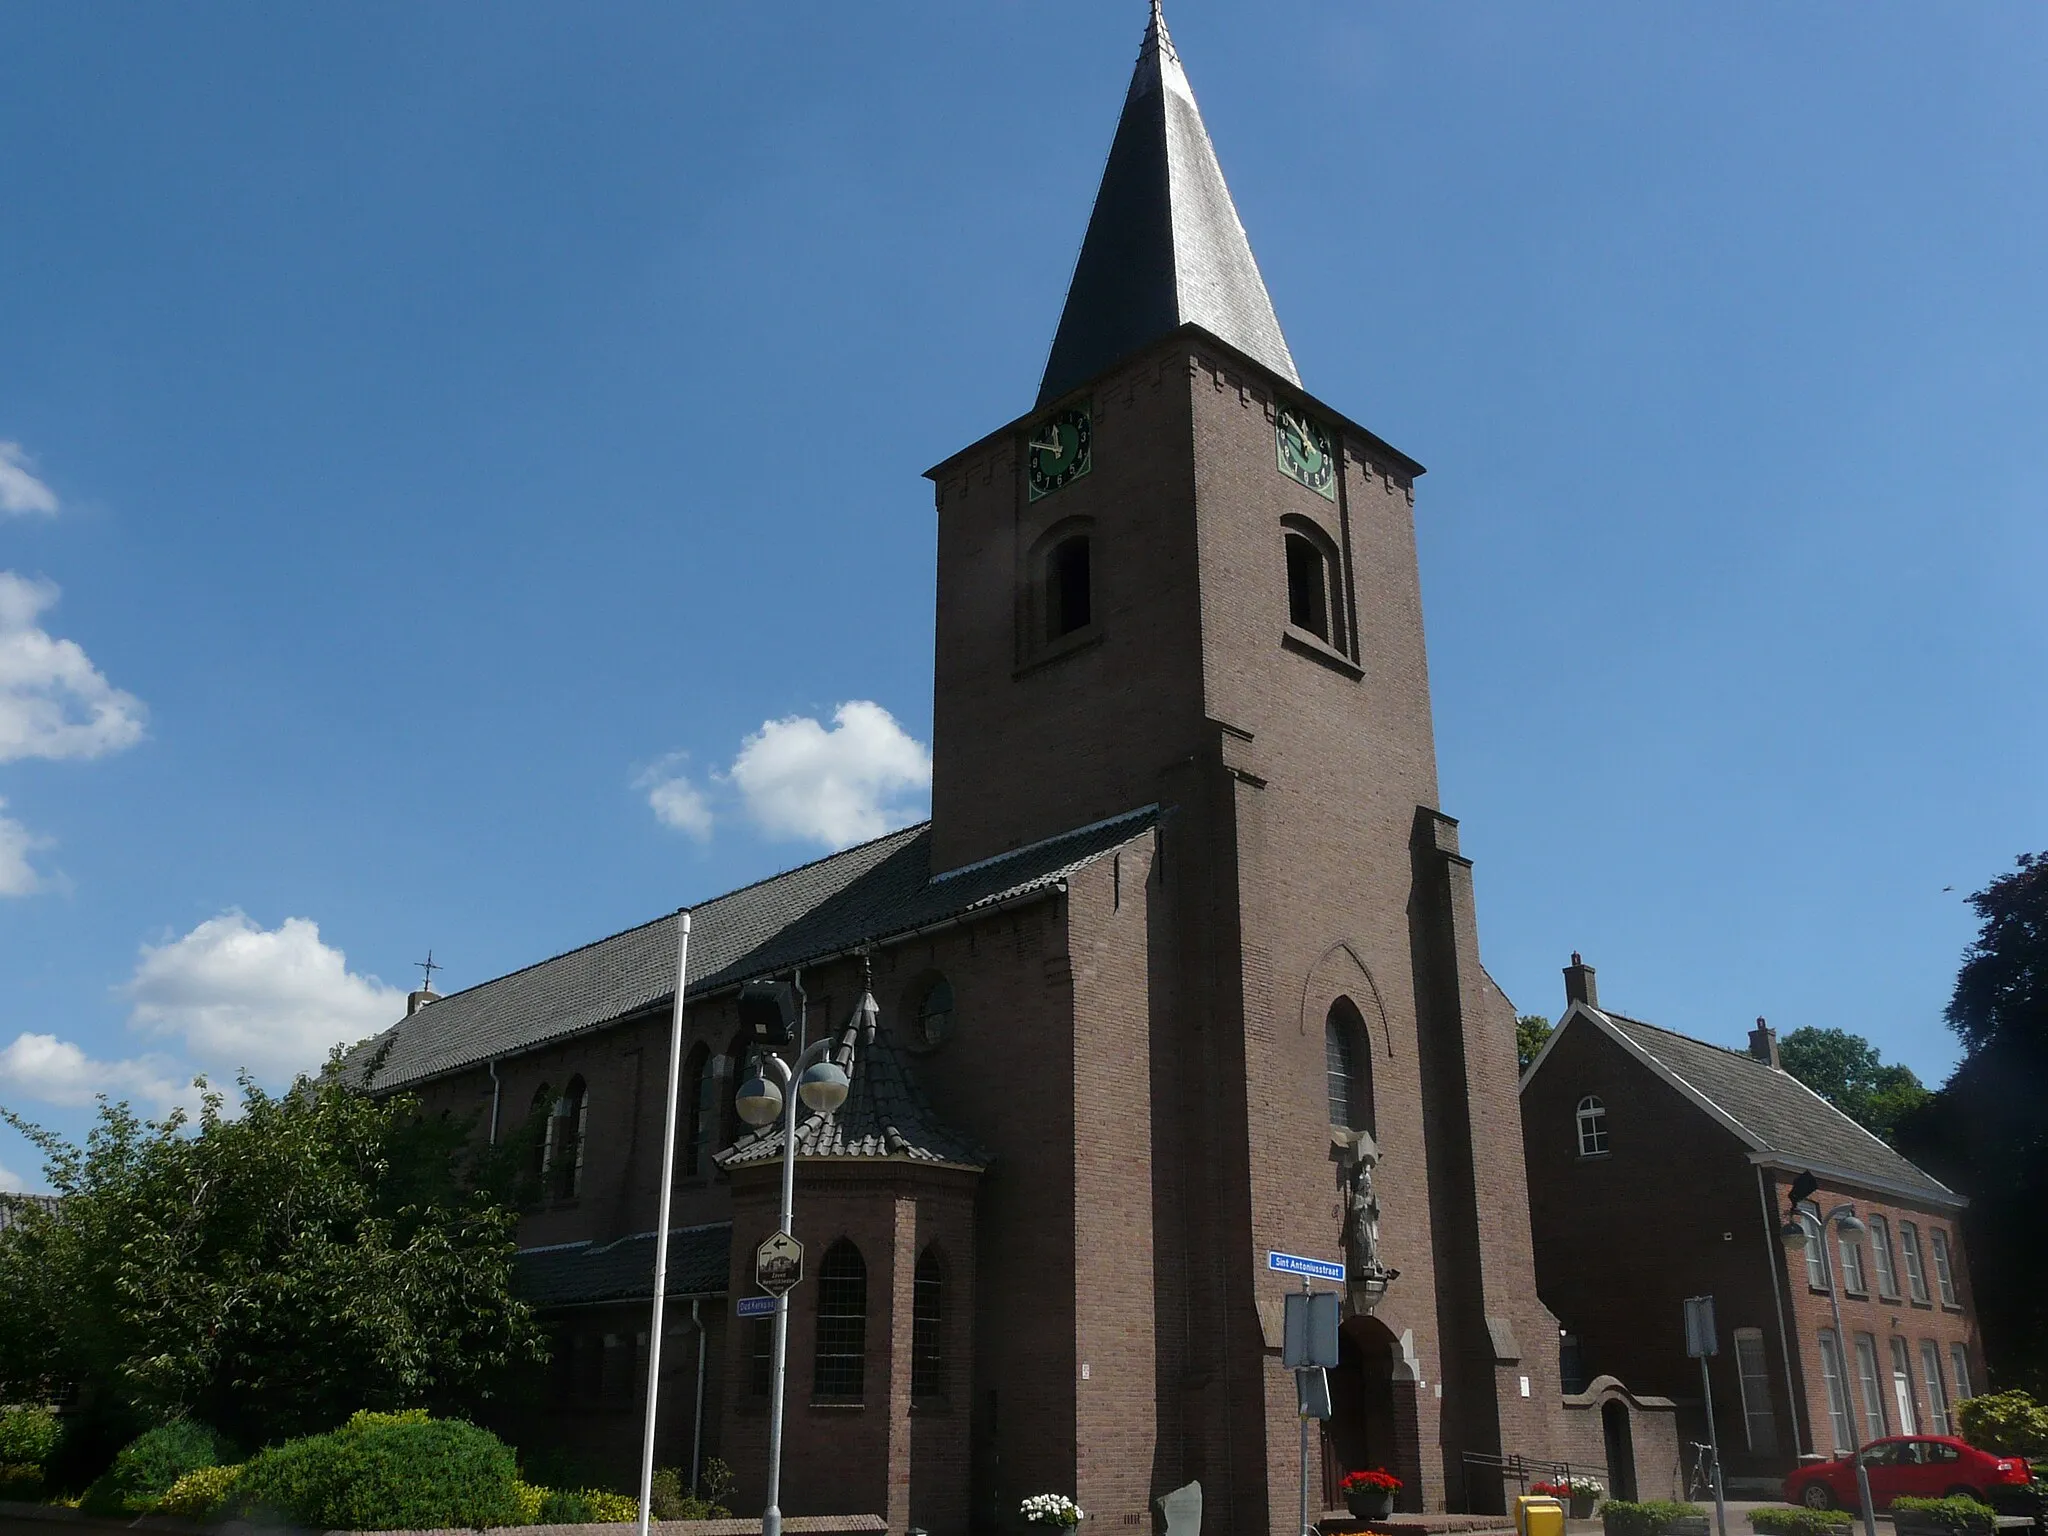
(1165,247)
(571,1273)
(886,1115)
(865,894)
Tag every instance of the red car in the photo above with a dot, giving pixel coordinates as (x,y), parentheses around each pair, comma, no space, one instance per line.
(1921,1466)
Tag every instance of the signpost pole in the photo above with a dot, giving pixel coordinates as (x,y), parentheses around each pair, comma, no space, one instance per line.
(1301,1404)
(1702,1339)
(771,1517)
(668,1174)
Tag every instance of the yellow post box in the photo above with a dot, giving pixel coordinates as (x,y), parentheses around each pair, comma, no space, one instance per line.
(1538,1514)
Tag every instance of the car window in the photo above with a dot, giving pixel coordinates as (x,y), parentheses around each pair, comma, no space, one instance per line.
(1940,1451)
(1883,1454)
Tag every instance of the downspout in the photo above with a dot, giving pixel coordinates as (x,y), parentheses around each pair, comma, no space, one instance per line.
(697,1420)
(1773,1248)
(495,1087)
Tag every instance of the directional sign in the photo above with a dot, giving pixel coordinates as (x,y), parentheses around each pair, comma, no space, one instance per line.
(1311,1331)
(1700,1339)
(1295,1264)
(778,1264)
(757,1306)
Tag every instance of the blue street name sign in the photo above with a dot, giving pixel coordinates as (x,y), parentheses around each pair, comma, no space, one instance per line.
(1295,1264)
(756,1306)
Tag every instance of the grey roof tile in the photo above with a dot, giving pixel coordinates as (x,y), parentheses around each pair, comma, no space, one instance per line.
(864,894)
(1780,1113)
(699,1259)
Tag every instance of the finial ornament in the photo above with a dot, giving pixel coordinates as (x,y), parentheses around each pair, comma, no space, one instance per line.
(428,967)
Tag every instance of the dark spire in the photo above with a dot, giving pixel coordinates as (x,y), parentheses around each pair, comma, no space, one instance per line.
(1164,245)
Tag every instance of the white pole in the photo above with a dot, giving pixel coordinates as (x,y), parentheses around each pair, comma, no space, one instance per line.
(668,1179)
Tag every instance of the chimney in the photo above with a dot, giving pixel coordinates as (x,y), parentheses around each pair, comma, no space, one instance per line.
(1579,986)
(1763,1045)
(415,1001)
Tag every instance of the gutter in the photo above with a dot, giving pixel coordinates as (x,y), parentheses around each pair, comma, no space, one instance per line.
(1791,1162)
(1772,1249)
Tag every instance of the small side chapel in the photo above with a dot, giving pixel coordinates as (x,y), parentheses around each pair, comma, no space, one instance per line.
(1183,970)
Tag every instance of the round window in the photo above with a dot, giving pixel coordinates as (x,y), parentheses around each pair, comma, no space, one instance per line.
(935,1014)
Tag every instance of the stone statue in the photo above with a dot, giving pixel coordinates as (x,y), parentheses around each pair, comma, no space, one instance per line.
(1358,1153)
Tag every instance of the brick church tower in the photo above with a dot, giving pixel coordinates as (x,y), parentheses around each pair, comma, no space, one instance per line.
(1182,581)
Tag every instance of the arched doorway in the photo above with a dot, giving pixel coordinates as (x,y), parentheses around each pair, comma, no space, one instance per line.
(1621,1449)
(1372,1413)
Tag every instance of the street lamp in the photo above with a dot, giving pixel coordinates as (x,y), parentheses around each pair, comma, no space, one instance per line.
(822,1085)
(1846,1222)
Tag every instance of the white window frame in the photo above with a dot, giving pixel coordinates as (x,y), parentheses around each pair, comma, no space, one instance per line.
(1902,1386)
(1592,1122)
(1753,1375)
(1819,1273)
(1916,1273)
(1959,1371)
(1837,1389)
(1881,1250)
(1853,1277)
(1944,1272)
(1872,1383)
(1937,1389)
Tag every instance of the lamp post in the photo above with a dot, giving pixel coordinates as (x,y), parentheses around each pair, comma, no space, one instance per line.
(1847,1223)
(763,1098)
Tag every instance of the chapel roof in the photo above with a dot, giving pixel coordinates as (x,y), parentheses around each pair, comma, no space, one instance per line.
(1165,247)
(571,1273)
(869,893)
(1781,1120)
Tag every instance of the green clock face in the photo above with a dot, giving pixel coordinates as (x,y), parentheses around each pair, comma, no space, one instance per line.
(1305,452)
(1060,450)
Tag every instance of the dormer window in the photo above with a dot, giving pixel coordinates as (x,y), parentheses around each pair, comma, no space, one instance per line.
(1069,595)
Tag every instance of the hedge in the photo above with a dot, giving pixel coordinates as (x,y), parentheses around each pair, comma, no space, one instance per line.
(2005,1424)
(28,1436)
(1620,1518)
(148,1465)
(1792,1520)
(386,1472)
(1955,1516)
(199,1492)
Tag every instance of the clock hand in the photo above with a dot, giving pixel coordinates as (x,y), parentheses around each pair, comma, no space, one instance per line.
(1055,447)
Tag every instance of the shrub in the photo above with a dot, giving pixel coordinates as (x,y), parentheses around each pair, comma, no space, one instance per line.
(667,1500)
(1792,1520)
(28,1436)
(20,1482)
(1955,1516)
(199,1492)
(149,1464)
(530,1499)
(2005,1424)
(386,1472)
(563,1506)
(1618,1517)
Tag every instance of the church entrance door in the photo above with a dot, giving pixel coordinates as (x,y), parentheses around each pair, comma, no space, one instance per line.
(1372,1416)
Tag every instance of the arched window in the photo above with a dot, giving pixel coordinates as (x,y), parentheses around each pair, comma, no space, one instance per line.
(842,1323)
(540,1125)
(1347,1067)
(565,1156)
(703,1129)
(739,1054)
(1315,597)
(927,1316)
(1069,594)
(935,1014)
(1592,1127)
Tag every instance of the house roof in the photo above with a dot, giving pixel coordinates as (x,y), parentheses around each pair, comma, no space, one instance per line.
(570,1274)
(1165,247)
(866,894)
(12,1206)
(1782,1122)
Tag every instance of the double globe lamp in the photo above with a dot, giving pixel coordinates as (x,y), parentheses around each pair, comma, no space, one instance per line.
(1847,1223)
(823,1088)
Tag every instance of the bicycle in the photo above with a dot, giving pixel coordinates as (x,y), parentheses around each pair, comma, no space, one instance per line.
(1699,1476)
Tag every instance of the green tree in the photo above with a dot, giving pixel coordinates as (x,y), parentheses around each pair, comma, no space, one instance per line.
(1531,1031)
(272,1269)
(1848,1072)
(1986,1131)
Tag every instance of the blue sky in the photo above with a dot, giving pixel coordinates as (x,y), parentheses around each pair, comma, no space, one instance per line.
(442,438)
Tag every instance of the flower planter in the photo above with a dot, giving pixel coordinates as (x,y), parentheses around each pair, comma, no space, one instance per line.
(1580,1505)
(1370,1503)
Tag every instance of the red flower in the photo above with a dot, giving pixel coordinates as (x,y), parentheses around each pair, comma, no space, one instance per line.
(1376,1478)
(1555,1490)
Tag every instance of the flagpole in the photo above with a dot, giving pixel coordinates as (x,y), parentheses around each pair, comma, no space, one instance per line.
(668,1176)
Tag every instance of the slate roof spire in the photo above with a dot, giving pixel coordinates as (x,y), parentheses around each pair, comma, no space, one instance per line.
(1164,246)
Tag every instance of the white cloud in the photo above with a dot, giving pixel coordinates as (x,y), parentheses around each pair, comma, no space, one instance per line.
(58,1072)
(54,703)
(680,805)
(18,877)
(21,493)
(12,1183)
(272,1001)
(858,780)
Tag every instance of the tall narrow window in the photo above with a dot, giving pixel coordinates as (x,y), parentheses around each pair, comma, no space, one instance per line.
(1852,1262)
(1069,595)
(1881,1251)
(1872,1388)
(541,1127)
(1838,1390)
(1944,1274)
(1959,1370)
(842,1323)
(1902,1385)
(935,1014)
(1592,1127)
(760,1355)
(1909,1246)
(1347,1067)
(697,1144)
(1816,1253)
(1937,1392)
(927,1322)
(566,1160)
(1760,1424)
(1308,587)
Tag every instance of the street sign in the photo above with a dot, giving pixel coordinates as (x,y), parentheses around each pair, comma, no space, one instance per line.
(1311,1333)
(778,1264)
(1312,1394)
(757,1306)
(1699,1327)
(1295,1264)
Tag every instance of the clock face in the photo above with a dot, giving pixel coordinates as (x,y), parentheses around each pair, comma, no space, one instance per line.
(1060,450)
(1305,452)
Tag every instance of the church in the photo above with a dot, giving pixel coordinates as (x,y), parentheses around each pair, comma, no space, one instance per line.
(1183,971)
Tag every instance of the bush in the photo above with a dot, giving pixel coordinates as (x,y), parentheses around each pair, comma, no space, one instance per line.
(199,1492)
(668,1501)
(530,1499)
(386,1472)
(28,1436)
(2005,1424)
(587,1506)
(1649,1518)
(148,1465)
(1956,1516)
(1792,1520)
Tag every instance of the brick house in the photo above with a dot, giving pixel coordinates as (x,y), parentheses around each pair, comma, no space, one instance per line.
(1183,970)
(1659,1168)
